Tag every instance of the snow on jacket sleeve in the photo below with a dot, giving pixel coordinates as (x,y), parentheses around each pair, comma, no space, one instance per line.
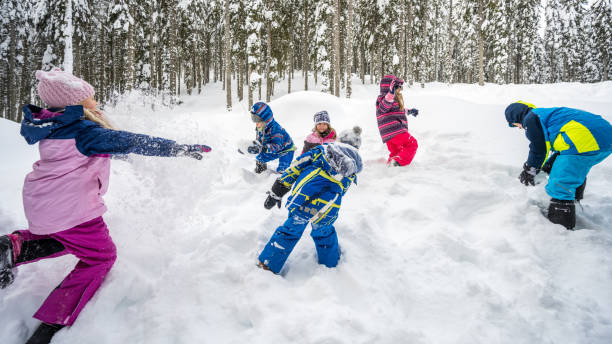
(93,139)
(292,173)
(537,141)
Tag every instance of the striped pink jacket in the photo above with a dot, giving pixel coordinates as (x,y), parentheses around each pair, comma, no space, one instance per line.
(391,119)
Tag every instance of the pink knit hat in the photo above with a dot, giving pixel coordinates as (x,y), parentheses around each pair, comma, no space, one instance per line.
(60,89)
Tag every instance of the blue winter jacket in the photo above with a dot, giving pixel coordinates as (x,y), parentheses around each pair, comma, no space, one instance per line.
(561,129)
(275,141)
(90,137)
(320,178)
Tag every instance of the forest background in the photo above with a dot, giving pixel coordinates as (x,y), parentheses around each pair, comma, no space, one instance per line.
(165,48)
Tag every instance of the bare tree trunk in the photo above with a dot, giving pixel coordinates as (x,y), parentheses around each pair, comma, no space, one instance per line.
(249,83)
(336,32)
(604,74)
(305,52)
(268,60)
(228,63)
(402,45)
(448,64)
(480,43)
(409,65)
(349,50)
(10,81)
(362,64)
(172,48)
(68,31)
(101,65)
(25,81)
(129,63)
(290,66)
(152,79)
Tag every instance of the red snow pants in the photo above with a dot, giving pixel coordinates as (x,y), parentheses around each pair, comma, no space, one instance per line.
(402,148)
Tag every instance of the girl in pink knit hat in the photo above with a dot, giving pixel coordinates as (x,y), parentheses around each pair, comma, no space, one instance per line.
(62,196)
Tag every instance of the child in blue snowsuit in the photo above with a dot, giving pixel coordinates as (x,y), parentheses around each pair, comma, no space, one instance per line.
(320,178)
(566,143)
(272,141)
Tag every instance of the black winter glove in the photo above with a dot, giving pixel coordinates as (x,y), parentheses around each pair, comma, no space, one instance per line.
(527,176)
(275,195)
(255,148)
(414,112)
(260,166)
(548,165)
(6,278)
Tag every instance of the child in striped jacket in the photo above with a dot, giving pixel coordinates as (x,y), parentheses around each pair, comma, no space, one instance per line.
(393,123)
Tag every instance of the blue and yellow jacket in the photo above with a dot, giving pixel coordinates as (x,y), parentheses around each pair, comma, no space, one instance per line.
(317,189)
(561,129)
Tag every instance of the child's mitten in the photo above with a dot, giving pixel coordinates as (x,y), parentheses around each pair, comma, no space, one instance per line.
(191,151)
(527,177)
(6,278)
(413,112)
(255,148)
(260,166)
(275,195)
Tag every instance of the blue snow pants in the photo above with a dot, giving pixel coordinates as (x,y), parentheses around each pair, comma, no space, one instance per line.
(569,172)
(285,238)
(284,159)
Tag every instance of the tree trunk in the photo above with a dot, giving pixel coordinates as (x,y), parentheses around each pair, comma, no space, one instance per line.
(10,80)
(349,50)
(290,66)
(448,64)
(409,39)
(228,63)
(480,43)
(25,81)
(68,31)
(129,63)
(336,32)
(305,51)
(268,59)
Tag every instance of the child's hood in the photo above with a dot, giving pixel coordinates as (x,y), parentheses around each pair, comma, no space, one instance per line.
(516,113)
(344,159)
(39,123)
(386,81)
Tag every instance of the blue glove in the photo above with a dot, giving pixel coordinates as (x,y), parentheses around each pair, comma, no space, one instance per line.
(413,112)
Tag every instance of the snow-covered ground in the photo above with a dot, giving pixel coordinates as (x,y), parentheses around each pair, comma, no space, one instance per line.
(452,249)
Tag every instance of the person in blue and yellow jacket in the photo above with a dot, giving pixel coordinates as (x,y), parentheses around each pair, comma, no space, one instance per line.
(272,141)
(320,178)
(566,143)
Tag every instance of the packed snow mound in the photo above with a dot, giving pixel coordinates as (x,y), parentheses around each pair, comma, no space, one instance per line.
(452,249)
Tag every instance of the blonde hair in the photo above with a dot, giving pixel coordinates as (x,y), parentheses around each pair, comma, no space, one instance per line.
(97,117)
(399,98)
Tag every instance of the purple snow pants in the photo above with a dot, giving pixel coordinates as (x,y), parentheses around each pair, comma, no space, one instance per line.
(92,244)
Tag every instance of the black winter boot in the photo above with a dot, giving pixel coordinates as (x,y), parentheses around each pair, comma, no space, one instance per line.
(6,262)
(562,212)
(580,191)
(44,333)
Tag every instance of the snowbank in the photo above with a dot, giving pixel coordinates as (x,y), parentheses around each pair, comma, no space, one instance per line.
(452,249)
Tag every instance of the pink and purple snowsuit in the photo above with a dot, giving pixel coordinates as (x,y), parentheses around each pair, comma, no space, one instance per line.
(63,202)
(393,124)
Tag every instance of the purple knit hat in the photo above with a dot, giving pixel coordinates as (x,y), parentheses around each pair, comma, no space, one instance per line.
(59,89)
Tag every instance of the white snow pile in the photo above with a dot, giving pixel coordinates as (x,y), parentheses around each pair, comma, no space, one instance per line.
(451,249)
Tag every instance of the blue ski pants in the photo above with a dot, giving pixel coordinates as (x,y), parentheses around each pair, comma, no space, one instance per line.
(284,239)
(569,172)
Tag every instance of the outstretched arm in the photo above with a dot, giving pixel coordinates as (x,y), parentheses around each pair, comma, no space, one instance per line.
(94,139)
